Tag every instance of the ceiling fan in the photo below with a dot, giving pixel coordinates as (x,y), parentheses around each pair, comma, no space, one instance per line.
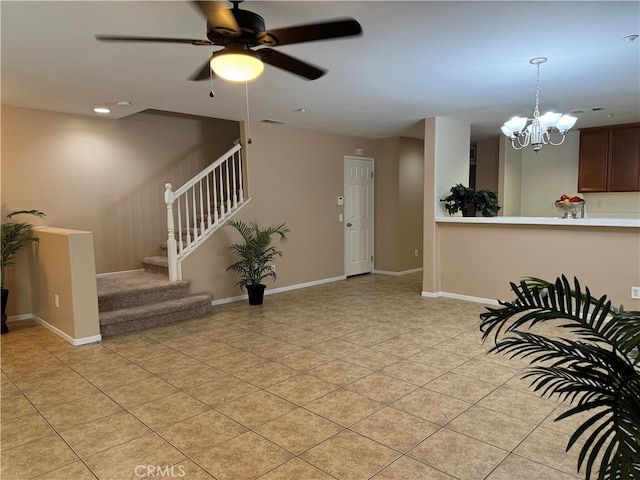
(238,31)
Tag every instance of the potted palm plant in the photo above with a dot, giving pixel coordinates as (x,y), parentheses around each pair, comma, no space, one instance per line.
(469,201)
(256,256)
(15,235)
(594,366)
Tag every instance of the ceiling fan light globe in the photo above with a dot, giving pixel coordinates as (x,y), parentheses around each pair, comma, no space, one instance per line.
(237,67)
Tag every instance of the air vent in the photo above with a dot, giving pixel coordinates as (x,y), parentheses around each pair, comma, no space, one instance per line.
(588,109)
(273,122)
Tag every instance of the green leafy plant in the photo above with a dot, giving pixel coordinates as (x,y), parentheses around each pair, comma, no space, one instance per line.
(16,235)
(256,253)
(592,364)
(468,201)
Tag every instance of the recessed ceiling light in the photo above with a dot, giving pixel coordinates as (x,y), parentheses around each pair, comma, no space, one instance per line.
(630,38)
(101,110)
(301,110)
(123,103)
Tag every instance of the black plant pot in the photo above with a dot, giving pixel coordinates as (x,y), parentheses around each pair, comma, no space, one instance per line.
(256,293)
(5,296)
(470,210)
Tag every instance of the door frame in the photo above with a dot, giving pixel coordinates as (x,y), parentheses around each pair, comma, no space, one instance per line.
(345,190)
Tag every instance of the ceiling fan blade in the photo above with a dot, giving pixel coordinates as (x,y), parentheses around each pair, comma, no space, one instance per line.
(204,73)
(217,15)
(346,27)
(290,64)
(119,38)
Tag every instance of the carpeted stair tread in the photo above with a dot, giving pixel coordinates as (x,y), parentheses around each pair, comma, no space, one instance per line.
(130,289)
(138,318)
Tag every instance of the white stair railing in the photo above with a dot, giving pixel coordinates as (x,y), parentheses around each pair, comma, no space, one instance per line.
(201,206)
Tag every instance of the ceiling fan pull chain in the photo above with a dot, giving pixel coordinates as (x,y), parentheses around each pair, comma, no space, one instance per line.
(246,96)
(211,94)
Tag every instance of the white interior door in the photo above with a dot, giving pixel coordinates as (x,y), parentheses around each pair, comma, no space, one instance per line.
(358,215)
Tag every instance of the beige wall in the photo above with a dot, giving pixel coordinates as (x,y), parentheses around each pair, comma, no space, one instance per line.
(480,260)
(63,266)
(295,176)
(105,176)
(411,194)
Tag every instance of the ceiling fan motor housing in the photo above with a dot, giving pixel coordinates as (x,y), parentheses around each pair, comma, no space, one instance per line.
(250,24)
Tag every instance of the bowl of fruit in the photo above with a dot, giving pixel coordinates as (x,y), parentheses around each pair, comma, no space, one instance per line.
(570,207)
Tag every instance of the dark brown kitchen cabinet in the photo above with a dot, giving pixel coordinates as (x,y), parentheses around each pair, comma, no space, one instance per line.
(610,159)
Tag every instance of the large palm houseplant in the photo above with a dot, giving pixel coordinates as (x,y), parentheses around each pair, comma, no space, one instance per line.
(256,256)
(590,361)
(15,235)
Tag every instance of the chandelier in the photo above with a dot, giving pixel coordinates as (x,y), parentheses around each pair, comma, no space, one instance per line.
(539,131)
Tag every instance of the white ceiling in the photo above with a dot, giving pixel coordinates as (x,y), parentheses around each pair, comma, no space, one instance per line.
(416,59)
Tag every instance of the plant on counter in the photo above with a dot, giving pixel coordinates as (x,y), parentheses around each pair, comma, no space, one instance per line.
(469,201)
(256,255)
(594,368)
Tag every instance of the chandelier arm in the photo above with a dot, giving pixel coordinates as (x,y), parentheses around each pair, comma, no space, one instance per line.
(564,135)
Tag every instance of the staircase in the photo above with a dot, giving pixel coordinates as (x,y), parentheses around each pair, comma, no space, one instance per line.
(133,301)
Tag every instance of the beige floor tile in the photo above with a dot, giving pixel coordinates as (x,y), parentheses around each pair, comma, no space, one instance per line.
(21,462)
(485,371)
(191,376)
(458,455)
(302,389)
(140,392)
(243,457)
(69,390)
(139,354)
(128,460)
(117,377)
(104,433)
(372,359)
(79,412)
(15,405)
(23,429)
(339,372)
(236,362)
(460,387)
(518,404)
(209,351)
(201,432)
(338,347)
(296,469)
(381,388)
(406,468)
(349,456)
(169,362)
(395,429)
(186,470)
(344,407)
(516,466)
(548,447)
(298,430)
(440,359)
(72,471)
(431,406)
(221,390)
(305,359)
(266,374)
(167,410)
(413,372)
(256,408)
(400,347)
(492,427)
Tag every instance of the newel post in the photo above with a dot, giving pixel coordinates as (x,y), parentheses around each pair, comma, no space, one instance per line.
(172,247)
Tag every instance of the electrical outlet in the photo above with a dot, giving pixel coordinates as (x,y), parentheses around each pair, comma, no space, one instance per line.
(56,300)
(635,293)
(273,268)
(416,252)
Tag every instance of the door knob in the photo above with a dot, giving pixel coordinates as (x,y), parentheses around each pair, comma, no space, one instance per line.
(348,224)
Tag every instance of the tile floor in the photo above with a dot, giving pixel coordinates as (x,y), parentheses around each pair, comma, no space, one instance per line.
(356,379)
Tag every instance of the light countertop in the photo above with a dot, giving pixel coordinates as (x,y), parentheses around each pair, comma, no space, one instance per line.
(578,222)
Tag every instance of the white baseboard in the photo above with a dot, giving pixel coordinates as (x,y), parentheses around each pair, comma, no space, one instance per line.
(397,274)
(467,298)
(73,341)
(281,289)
